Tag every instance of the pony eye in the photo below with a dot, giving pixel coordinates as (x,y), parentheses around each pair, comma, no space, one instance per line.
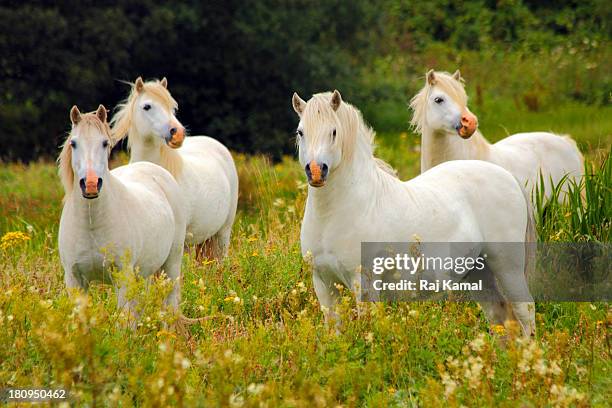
(334,134)
(299,133)
(105,144)
(146,107)
(438,100)
(73,144)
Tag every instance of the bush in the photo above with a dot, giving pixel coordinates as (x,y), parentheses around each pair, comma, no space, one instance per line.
(233,65)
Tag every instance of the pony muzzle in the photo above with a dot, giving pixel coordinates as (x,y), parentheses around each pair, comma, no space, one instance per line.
(468,124)
(316,173)
(90,185)
(176,137)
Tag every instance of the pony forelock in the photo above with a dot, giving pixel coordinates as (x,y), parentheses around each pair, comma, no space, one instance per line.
(452,87)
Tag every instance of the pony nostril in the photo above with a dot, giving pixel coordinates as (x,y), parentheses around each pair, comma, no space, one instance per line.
(324,169)
(467,121)
(308,172)
(82,184)
(99,183)
(173,131)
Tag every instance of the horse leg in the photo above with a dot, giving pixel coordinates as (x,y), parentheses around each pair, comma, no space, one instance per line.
(495,308)
(172,268)
(223,236)
(223,240)
(215,247)
(328,295)
(525,314)
(509,269)
(127,306)
(361,306)
(70,281)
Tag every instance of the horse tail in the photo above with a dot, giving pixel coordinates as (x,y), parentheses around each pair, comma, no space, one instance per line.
(572,142)
(530,233)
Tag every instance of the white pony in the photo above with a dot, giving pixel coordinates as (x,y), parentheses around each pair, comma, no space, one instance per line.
(449,132)
(203,167)
(134,211)
(354,198)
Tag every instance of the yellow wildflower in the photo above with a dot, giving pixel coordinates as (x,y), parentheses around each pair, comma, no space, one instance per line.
(13,238)
(165,333)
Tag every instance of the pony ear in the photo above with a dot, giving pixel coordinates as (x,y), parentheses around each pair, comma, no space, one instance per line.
(75,115)
(457,76)
(101,113)
(336,100)
(298,104)
(139,84)
(431,77)
(164,82)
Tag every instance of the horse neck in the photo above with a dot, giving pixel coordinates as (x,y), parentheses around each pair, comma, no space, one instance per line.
(438,147)
(158,153)
(144,150)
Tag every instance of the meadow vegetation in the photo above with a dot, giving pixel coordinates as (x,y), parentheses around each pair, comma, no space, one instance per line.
(528,65)
(265,340)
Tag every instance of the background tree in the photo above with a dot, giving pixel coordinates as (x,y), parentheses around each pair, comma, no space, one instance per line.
(233,65)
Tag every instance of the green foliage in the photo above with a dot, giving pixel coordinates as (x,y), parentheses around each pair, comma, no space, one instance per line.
(584,212)
(500,84)
(233,65)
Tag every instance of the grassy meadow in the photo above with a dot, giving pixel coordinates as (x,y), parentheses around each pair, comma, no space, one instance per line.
(265,343)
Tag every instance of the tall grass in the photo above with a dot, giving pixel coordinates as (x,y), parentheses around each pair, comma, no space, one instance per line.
(584,212)
(266,343)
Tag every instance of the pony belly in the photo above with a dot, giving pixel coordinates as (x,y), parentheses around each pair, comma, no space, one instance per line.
(199,230)
(209,206)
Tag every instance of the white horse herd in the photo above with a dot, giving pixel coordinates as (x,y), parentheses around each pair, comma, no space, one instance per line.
(179,191)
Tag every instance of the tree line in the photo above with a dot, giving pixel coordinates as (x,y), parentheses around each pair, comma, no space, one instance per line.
(233,65)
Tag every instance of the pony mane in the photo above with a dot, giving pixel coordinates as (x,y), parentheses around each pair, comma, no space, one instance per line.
(171,160)
(123,121)
(354,135)
(452,87)
(89,121)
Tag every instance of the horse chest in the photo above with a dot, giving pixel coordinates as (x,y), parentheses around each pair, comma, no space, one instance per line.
(90,267)
(91,256)
(335,255)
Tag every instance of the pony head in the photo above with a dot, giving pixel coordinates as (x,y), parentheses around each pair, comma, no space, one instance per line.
(85,152)
(442,106)
(325,134)
(150,113)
